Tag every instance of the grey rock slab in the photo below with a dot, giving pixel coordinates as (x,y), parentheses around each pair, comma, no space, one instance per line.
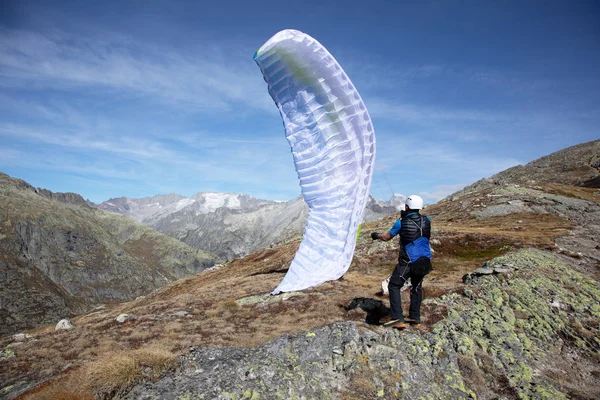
(64,324)
(298,366)
(20,337)
(181,313)
(267,298)
(483,271)
(501,270)
(124,317)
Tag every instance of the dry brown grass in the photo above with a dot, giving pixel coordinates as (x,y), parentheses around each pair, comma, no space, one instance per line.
(117,371)
(589,194)
(108,353)
(58,391)
(108,375)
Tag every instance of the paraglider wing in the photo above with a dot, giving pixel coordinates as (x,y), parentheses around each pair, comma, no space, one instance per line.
(333,144)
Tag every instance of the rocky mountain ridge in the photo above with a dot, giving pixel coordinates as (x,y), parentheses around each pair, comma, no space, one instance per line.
(227,224)
(59,257)
(575,166)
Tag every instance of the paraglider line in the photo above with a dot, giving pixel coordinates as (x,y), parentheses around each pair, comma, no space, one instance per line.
(386,180)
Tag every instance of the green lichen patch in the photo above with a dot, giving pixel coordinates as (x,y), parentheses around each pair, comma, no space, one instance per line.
(521,324)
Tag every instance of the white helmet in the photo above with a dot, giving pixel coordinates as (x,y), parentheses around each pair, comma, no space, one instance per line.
(414,202)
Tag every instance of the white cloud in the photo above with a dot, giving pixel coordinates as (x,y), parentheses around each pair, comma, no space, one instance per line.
(128,146)
(200,80)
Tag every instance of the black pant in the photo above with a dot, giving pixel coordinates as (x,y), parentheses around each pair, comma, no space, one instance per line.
(400,275)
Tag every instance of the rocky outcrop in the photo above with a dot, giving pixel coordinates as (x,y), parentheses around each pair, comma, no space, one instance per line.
(576,165)
(69,198)
(531,333)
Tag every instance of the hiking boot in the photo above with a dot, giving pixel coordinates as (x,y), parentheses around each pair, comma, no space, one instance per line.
(392,321)
(413,322)
(399,325)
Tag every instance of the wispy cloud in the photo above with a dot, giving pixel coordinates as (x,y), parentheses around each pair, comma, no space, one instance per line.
(128,146)
(202,80)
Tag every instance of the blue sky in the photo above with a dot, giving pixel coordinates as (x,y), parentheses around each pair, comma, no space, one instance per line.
(137,98)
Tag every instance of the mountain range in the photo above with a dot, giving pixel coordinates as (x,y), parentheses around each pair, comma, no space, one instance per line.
(227,224)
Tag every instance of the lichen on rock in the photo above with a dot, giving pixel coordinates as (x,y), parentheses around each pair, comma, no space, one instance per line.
(502,340)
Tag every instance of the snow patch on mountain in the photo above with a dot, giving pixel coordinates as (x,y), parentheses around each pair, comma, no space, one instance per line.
(183,203)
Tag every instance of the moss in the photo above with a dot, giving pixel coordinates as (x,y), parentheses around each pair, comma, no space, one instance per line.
(4,354)
(526,372)
(7,389)
(508,315)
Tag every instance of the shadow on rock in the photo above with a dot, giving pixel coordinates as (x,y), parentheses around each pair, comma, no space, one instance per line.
(375,309)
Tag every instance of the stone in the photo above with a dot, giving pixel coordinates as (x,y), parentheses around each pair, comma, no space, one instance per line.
(485,270)
(181,313)
(467,278)
(64,324)
(19,337)
(501,270)
(124,317)
(266,298)
(559,305)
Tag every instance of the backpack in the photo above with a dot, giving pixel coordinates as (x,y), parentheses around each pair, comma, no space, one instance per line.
(419,253)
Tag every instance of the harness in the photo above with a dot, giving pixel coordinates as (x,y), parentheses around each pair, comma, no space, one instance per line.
(420,246)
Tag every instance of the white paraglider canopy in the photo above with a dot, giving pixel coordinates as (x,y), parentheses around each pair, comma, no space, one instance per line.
(333,145)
